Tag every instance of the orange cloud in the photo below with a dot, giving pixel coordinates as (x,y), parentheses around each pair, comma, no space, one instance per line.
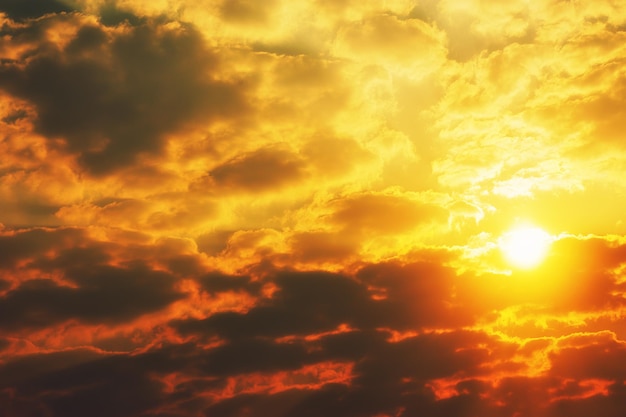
(229,207)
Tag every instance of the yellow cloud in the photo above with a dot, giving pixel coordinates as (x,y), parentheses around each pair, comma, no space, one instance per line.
(385,40)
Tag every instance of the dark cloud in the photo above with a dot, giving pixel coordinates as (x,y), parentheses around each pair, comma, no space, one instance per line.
(81,382)
(389,374)
(394,359)
(100,387)
(214,242)
(323,246)
(416,358)
(184,265)
(408,297)
(28,367)
(253,355)
(111,15)
(307,302)
(242,11)
(384,213)
(327,401)
(15,116)
(28,9)
(388,377)
(611,405)
(114,95)
(92,290)
(261,170)
(396,325)
(16,247)
(414,295)
(76,258)
(602,359)
(104,294)
(84,383)
(218,282)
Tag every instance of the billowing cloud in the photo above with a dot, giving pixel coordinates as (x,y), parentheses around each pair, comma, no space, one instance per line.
(114,94)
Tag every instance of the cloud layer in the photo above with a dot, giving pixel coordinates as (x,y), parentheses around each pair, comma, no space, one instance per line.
(224,208)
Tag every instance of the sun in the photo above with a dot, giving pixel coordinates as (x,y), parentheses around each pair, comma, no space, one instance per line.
(525,247)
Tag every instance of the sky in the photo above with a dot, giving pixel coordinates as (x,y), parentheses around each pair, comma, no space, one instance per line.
(239,208)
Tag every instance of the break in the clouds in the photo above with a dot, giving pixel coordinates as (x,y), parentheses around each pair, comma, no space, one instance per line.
(232,208)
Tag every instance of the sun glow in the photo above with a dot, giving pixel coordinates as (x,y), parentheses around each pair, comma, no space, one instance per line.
(525,246)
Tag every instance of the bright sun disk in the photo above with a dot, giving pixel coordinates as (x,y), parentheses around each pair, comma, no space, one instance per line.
(525,247)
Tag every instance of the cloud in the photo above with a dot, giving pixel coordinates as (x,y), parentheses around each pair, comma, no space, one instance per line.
(100,387)
(346,155)
(396,327)
(114,94)
(61,276)
(231,208)
(264,169)
(242,11)
(17,247)
(167,212)
(104,295)
(322,246)
(600,358)
(384,213)
(610,404)
(29,9)
(305,303)
(384,39)
(400,285)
